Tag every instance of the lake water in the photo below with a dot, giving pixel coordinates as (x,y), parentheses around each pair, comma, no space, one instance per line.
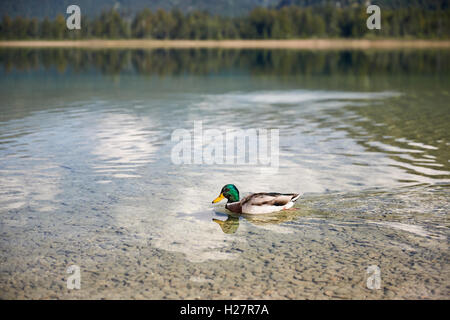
(87,177)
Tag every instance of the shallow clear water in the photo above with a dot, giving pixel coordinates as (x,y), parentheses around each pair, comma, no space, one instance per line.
(87,176)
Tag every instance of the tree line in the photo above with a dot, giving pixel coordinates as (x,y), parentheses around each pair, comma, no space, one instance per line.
(288,22)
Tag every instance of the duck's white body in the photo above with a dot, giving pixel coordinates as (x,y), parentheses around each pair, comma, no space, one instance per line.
(260,203)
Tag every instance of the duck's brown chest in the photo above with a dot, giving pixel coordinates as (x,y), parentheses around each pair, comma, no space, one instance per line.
(234,207)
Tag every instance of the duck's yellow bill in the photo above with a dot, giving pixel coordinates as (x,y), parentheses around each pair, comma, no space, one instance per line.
(219,198)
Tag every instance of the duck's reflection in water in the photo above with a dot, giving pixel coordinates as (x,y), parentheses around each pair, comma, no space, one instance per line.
(228,226)
(231,224)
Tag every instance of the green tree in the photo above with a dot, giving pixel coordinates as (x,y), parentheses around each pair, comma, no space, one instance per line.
(261,23)
(6,28)
(33,29)
(20,28)
(283,26)
(142,25)
(46,29)
(164,24)
(59,27)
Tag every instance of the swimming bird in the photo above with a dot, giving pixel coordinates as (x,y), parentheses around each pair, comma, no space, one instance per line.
(256,203)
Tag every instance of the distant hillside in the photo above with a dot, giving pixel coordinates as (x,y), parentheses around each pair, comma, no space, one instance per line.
(389,4)
(50,8)
(92,8)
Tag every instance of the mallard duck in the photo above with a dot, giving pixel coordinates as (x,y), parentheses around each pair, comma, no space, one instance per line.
(256,203)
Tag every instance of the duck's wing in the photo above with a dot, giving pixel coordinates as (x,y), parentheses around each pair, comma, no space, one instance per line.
(269,199)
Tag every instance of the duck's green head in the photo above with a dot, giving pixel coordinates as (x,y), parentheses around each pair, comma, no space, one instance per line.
(230,192)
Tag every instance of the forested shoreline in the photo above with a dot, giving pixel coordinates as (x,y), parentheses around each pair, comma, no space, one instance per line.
(289,22)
